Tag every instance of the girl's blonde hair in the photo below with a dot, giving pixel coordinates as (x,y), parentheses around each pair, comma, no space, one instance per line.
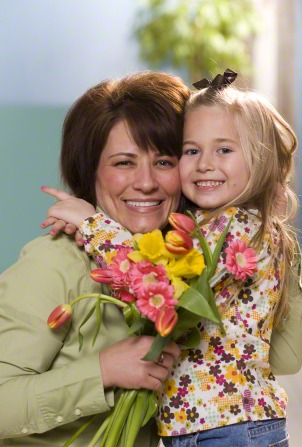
(268,143)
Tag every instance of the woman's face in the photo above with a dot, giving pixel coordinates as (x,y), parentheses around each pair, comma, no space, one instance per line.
(136,188)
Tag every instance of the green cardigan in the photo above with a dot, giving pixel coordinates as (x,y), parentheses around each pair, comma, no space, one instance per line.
(48,389)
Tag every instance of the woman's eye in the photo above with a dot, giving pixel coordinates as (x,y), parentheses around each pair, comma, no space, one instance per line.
(224,150)
(123,163)
(166,162)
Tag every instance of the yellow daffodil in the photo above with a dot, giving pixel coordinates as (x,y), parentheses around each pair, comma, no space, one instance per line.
(152,245)
(179,286)
(188,266)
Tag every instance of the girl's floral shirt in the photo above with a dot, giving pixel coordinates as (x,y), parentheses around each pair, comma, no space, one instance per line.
(226,379)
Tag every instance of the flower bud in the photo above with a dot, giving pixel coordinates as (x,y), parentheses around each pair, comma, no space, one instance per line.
(182,222)
(59,316)
(178,242)
(102,275)
(166,320)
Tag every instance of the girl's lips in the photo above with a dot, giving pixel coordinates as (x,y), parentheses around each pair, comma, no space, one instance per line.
(209,183)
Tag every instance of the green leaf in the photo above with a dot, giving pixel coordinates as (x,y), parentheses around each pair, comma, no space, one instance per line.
(80,335)
(98,320)
(186,320)
(192,338)
(200,283)
(218,248)
(136,326)
(152,407)
(214,308)
(119,418)
(136,416)
(196,303)
(128,315)
(80,431)
(157,347)
(203,243)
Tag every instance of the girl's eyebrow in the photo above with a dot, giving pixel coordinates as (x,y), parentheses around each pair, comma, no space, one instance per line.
(188,142)
(225,140)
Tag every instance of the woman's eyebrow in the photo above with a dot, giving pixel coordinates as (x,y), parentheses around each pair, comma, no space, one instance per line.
(126,154)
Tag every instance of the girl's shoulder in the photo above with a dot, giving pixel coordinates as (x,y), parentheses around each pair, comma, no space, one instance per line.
(242,221)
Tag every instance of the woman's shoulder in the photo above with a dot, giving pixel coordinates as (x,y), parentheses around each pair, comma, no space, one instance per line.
(61,250)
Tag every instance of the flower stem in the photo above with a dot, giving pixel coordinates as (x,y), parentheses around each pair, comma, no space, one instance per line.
(103,298)
(100,431)
(81,429)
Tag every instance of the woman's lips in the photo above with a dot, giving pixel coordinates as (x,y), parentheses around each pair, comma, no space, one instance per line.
(145,203)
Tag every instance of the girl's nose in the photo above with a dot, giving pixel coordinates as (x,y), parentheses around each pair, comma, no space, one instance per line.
(205,163)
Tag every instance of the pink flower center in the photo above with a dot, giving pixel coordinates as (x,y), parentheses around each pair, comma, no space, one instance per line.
(125,266)
(150,278)
(157,300)
(240,260)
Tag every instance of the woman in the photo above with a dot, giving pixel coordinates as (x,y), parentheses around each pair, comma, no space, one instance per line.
(120,149)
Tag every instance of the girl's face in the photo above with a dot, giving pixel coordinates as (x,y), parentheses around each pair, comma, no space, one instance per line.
(213,170)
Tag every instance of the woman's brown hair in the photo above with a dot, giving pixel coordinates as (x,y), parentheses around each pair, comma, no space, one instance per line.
(152,104)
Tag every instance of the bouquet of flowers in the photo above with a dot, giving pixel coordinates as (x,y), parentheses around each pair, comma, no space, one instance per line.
(163,284)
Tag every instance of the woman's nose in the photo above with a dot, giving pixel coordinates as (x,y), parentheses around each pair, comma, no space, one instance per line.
(145,179)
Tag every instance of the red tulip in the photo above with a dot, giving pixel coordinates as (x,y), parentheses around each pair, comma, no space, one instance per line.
(182,222)
(102,275)
(166,320)
(59,316)
(178,242)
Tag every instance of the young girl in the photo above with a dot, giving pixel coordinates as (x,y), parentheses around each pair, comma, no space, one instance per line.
(236,149)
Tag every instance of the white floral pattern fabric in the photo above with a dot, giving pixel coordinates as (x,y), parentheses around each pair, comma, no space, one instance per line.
(227,379)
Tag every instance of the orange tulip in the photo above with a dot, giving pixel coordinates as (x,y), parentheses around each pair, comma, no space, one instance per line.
(178,242)
(166,320)
(182,222)
(59,316)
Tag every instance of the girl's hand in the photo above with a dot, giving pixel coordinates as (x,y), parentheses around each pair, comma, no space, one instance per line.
(122,365)
(67,214)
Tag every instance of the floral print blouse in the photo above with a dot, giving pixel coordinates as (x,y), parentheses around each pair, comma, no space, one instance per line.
(226,379)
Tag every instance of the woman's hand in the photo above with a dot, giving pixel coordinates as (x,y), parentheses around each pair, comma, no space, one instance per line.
(67,214)
(122,365)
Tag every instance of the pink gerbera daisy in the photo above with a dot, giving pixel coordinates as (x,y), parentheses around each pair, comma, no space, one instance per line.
(155,296)
(240,260)
(144,273)
(121,265)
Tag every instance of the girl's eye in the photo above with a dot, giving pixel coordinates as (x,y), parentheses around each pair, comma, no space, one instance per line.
(224,150)
(190,152)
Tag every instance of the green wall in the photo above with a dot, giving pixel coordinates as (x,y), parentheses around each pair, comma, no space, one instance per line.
(29,152)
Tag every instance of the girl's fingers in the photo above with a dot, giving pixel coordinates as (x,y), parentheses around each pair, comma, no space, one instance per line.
(79,239)
(58,227)
(47,222)
(57,193)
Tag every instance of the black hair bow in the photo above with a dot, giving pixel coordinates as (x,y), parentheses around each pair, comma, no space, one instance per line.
(220,81)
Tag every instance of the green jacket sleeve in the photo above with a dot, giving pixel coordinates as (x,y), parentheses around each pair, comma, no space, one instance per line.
(44,380)
(286,350)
